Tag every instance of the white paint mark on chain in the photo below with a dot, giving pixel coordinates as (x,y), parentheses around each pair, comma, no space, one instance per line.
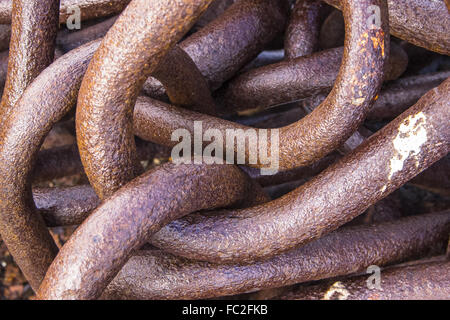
(338,288)
(412,134)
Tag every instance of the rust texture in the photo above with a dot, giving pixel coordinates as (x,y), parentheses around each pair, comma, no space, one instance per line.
(67,40)
(302,32)
(237,47)
(56,163)
(23,232)
(353,94)
(4,65)
(65,160)
(184,83)
(216,9)
(436,178)
(294,174)
(395,96)
(332,32)
(295,79)
(420,281)
(113,80)
(3,68)
(101,246)
(158,275)
(72,205)
(448,250)
(65,206)
(95,204)
(30,51)
(243,31)
(399,95)
(89,9)
(5,36)
(70,40)
(21,136)
(264,58)
(421,22)
(334,197)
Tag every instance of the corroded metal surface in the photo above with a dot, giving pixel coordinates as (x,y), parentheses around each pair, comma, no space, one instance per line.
(336,196)
(101,245)
(70,40)
(30,51)
(395,96)
(65,206)
(295,79)
(243,30)
(158,275)
(21,136)
(421,281)
(216,9)
(302,32)
(89,9)
(399,95)
(209,229)
(332,33)
(4,65)
(3,68)
(421,22)
(125,58)
(24,232)
(5,36)
(353,94)
(436,178)
(184,83)
(64,161)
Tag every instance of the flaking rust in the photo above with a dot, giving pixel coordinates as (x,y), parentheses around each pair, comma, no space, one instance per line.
(153,228)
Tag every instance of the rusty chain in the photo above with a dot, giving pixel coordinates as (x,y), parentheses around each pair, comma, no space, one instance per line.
(307,74)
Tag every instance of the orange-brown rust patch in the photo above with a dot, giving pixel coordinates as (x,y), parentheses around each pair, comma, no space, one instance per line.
(378,41)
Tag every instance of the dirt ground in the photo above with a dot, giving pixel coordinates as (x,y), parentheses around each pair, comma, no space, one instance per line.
(13,285)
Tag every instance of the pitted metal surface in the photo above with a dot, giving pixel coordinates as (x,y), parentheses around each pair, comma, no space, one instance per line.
(302,32)
(344,251)
(150,227)
(143,206)
(353,94)
(421,22)
(421,281)
(90,9)
(30,51)
(368,174)
(124,59)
